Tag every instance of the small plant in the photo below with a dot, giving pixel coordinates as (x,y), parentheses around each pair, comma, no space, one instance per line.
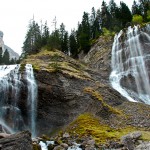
(137,19)
(55,57)
(55,66)
(22,67)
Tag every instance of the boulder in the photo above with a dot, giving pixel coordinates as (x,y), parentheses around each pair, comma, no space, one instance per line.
(59,147)
(129,140)
(144,146)
(4,135)
(66,135)
(19,141)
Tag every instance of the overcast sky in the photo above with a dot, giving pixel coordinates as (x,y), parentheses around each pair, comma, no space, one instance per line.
(16,14)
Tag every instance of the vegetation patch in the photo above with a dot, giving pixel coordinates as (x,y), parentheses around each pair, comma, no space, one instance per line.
(88,125)
(98,96)
(56,61)
(22,67)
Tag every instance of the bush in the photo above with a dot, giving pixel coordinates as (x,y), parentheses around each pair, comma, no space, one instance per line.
(137,19)
(148,15)
(107,32)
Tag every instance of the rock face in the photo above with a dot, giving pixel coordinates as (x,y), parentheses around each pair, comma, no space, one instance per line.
(20,141)
(4,47)
(99,57)
(130,63)
(66,89)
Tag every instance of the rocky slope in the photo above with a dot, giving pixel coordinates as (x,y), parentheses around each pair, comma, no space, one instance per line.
(68,88)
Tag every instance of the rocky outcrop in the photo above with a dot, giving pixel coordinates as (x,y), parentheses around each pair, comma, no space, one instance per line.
(20,141)
(12,53)
(99,57)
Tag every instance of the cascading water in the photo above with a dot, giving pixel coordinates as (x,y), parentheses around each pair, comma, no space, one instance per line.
(32,96)
(130,64)
(11,84)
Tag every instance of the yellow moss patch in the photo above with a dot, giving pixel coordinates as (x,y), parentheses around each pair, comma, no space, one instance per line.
(98,96)
(88,125)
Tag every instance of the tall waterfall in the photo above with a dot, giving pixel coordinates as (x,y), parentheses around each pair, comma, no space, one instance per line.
(31,99)
(12,117)
(130,63)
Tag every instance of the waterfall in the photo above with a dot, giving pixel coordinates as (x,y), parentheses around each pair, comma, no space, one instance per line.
(12,83)
(32,96)
(130,63)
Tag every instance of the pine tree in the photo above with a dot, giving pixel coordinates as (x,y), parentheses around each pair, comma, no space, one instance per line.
(105,15)
(84,37)
(6,57)
(54,40)
(62,38)
(125,14)
(45,35)
(32,42)
(144,6)
(95,24)
(73,46)
(114,12)
(136,8)
(12,61)
(65,43)
(1,56)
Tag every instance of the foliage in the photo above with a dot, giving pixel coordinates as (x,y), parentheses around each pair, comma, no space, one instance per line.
(148,15)
(1,56)
(6,57)
(105,21)
(137,19)
(107,32)
(73,44)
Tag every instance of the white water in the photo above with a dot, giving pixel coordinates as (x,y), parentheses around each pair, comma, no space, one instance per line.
(10,93)
(9,86)
(129,52)
(32,96)
(44,146)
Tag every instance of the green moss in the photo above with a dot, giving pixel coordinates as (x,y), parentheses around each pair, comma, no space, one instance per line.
(36,147)
(35,67)
(88,125)
(45,137)
(98,96)
(22,67)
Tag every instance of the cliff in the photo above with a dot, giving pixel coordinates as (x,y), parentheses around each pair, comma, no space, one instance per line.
(68,88)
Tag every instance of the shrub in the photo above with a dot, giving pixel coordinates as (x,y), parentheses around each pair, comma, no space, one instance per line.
(137,19)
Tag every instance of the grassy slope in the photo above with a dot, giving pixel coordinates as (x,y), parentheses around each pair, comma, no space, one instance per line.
(53,61)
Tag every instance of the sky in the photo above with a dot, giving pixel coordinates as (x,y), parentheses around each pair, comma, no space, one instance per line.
(15,16)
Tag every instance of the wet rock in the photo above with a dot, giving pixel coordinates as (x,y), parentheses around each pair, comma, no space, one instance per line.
(66,135)
(19,141)
(4,135)
(64,145)
(36,146)
(50,146)
(59,147)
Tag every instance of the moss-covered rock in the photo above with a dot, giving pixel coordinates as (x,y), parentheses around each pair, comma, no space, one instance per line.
(89,125)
